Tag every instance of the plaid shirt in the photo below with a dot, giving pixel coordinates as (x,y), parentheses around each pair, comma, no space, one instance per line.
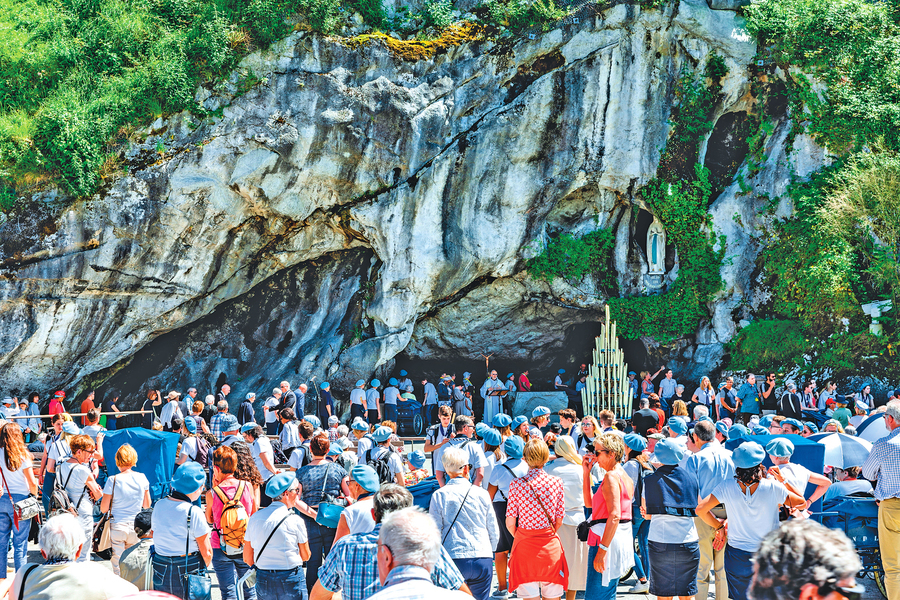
(215,425)
(883,464)
(352,568)
(333,434)
(524,505)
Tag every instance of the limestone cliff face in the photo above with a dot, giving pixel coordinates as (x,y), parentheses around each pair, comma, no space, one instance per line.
(353,206)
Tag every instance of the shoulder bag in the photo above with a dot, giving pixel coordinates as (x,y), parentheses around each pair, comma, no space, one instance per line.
(102,530)
(328,513)
(23,510)
(461,504)
(197,586)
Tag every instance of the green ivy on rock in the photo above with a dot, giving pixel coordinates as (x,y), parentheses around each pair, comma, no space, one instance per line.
(573,257)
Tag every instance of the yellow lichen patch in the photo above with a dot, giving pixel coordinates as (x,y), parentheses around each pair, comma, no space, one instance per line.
(414,50)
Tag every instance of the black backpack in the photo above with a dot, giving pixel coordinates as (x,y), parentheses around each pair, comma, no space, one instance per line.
(203,451)
(380,464)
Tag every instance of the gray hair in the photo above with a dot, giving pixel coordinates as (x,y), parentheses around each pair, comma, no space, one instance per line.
(645,403)
(303,387)
(700,411)
(412,537)
(893,409)
(343,430)
(210,399)
(454,460)
(222,405)
(286,383)
(61,537)
(292,487)
(801,551)
(276,391)
(389,498)
(705,431)
(191,390)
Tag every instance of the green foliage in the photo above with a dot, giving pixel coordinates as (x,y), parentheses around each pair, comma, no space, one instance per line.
(679,197)
(437,13)
(572,258)
(373,13)
(521,15)
(853,47)
(776,344)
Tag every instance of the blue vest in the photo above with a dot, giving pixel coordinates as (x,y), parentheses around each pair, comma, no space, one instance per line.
(671,490)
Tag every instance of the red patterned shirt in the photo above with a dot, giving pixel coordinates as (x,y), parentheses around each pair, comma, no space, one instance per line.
(523,504)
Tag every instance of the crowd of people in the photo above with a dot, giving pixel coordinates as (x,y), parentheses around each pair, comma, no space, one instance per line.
(289,501)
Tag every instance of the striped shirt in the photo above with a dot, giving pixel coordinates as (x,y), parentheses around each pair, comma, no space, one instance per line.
(883,464)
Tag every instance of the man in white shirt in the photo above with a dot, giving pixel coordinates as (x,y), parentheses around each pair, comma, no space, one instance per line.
(171,410)
(271,415)
(9,408)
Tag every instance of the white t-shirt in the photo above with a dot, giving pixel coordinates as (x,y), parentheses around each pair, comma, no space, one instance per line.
(572,477)
(282,551)
(363,444)
(796,475)
(751,517)
(93,431)
(128,499)
(488,468)
(358,396)
(359,516)
(169,521)
(297,455)
(59,451)
(503,474)
(391,394)
(271,415)
(74,477)
(477,458)
(189,448)
(16,479)
(262,446)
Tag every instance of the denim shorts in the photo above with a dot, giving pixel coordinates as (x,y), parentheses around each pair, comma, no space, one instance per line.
(288,584)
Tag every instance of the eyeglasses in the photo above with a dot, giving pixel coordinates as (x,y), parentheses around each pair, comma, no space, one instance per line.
(850,593)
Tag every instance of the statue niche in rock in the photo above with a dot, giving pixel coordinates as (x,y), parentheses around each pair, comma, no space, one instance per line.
(656,256)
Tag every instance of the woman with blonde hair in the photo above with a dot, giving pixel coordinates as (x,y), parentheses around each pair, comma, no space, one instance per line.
(610,546)
(77,479)
(567,467)
(19,481)
(124,495)
(679,409)
(704,394)
(534,513)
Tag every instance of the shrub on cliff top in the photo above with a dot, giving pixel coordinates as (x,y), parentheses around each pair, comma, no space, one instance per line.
(573,257)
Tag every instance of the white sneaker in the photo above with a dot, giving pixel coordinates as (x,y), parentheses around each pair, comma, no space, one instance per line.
(640,588)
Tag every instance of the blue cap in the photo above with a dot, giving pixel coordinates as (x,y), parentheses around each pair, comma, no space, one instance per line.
(812,426)
(540,411)
(561,371)
(228,423)
(635,442)
(748,455)
(517,422)
(632,373)
(766,421)
(466,374)
(360,382)
(417,459)
(248,426)
(514,446)
(722,428)
(480,428)
(668,452)
(189,478)
(793,422)
(280,483)
(705,418)
(759,430)
(375,383)
(678,425)
(862,405)
(70,428)
(325,385)
(738,431)
(191,425)
(393,381)
(335,450)
(360,425)
(366,477)
(313,420)
(501,420)
(510,375)
(402,373)
(780,447)
(831,422)
(492,437)
(382,434)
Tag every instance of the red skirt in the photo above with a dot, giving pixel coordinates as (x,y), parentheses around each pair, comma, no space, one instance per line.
(537,555)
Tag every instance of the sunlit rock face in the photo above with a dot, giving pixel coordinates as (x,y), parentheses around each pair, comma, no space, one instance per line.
(354,206)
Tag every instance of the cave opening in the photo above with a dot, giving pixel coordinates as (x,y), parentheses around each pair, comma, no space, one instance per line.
(221,380)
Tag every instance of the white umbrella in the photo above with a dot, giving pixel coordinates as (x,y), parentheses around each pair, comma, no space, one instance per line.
(873,428)
(842,450)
